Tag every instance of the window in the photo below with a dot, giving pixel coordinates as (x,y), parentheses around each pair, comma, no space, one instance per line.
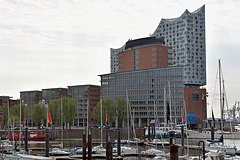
(154,54)
(195,97)
(169,50)
(154,59)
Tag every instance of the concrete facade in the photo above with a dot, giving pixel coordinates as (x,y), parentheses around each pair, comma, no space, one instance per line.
(87,97)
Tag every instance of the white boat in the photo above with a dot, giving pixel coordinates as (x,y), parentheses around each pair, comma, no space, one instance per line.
(192,134)
(153,152)
(5,145)
(137,141)
(125,149)
(58,152)
(123,141)
(218,146)
(98,149)
(159,142)
(23,157)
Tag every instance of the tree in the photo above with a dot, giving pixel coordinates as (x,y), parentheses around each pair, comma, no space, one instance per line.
(15,112)
(5,114)
(121,105)
(70,110)
(39,114)
(55,110)
(108,107)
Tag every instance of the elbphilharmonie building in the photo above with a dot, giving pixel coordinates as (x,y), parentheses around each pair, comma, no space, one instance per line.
(173,57)
(186,36)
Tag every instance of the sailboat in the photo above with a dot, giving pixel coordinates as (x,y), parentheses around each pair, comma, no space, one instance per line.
(59,151)
(100,149)
(219,144)
(127,149)
(162,129)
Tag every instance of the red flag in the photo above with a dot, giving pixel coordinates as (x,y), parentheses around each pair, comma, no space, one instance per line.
(24,117)
(183,118)
(49,117)
(106,117)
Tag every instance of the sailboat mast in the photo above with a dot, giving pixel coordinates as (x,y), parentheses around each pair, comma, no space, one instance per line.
(101,121)
(170,106)
(165,110)
(127,115)
(20,123)
(87,117)
(61,122)
(220,87)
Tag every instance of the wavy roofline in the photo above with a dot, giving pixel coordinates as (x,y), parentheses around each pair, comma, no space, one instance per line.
(123,47)
(174,19)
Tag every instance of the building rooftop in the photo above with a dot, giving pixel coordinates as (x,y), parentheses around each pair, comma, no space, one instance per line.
(144,41)
(91,85)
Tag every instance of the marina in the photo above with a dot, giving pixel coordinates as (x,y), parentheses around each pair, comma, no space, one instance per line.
(153,103)
(194,149)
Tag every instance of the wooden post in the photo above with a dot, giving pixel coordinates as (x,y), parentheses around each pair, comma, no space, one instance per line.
(89,146)
(109,155)
(47,143)
(173,152)
(84,146)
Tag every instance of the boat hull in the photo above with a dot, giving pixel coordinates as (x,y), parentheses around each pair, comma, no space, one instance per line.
(207,135)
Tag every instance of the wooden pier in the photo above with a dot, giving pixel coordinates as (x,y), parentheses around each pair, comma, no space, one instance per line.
(103,155)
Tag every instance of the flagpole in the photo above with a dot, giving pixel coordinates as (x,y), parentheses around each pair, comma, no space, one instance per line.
(20,124)
(165,114)
(47,114)
(170,104)
(101,121)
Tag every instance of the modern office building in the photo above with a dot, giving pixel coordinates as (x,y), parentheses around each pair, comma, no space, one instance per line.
(184,67)
(186,35)
(51,94)
(6,100)
(145,89)
(30,98)
(87,97)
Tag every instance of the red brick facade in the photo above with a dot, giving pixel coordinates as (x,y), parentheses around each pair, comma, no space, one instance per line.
(195,100)
(1,119)
(94,98)
(149,57)
(126,61)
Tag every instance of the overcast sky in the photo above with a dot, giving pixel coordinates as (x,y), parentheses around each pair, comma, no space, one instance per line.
(59,43)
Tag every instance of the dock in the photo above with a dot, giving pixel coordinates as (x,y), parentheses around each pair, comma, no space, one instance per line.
(102,156)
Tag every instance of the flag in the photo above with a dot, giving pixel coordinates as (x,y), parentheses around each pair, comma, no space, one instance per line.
(213,116)
(24,117)
(106,117)
(183,118)
(46,104)
(49,117)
